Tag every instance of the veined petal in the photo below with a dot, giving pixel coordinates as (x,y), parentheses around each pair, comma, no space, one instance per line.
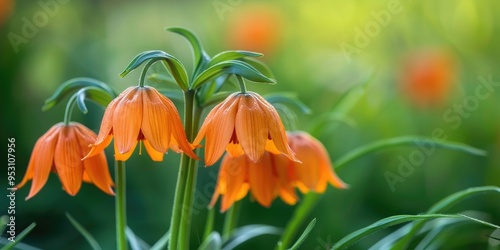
(67,160)
(95,169)
(276,128)
(155,155)
(251,127)
(107,119)
(41,160)
(155,123)
(96,149)
(178,135)
(219,130)
(127,120)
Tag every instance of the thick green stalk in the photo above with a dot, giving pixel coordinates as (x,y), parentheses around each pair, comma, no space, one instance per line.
(209,224)
(230,220)
(120,205)
(181,211)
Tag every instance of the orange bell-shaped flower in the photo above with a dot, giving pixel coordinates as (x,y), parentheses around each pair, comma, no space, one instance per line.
(142,114)
(61,150)
(244,123)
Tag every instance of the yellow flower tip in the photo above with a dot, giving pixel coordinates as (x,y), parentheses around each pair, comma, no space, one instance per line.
(62,149)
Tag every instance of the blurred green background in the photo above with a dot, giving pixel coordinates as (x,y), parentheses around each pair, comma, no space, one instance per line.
(317,49)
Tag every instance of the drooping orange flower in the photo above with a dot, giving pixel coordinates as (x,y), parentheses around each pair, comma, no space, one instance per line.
(61,150)
(427,77)
(244,123)
(141,114)
(315,171)
(6,7)
(276,175)
(265,179)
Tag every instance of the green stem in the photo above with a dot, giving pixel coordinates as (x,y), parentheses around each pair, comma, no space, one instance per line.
(69,109)
(120,205)
(186,180)
(242,84)
(145,71)
(209,224)
(298,217)
(231,220)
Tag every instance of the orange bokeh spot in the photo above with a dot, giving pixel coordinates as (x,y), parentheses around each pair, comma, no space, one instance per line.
(427,77)
(6,7)
(256,28)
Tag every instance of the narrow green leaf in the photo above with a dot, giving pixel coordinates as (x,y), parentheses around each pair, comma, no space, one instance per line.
(199,54)
(212,242)
(136,243)
(97,95)
(258,65)
(231,55)
(72,85)
(248,232)
(20,237)
(347,101)
(162,242)
(90,239)
(230,67)
(161,78)
(304,235)
(175,67)
(4,219)
(444,205)
(289,99)
(299,215)
(405,140)
(353,237)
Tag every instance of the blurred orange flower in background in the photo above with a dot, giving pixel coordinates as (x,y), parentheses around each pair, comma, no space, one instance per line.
(244,123)
(141,114)
(61,150)
(427,77)
(255,28)
(6,7)
(276,175)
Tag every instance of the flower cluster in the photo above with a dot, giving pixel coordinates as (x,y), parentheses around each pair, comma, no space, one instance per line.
(276,175)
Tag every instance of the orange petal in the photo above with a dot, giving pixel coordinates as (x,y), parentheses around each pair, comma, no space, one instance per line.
(127,120)
(67,160)
(96,149)
(263,180)
(41,160)
(281,165)
(251,128)
(233,171)
(95,169)
(234,150)
(178,134)
(155,123)
(219,130)
(107,118)
(155,155)
(276,129)
(122,157)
